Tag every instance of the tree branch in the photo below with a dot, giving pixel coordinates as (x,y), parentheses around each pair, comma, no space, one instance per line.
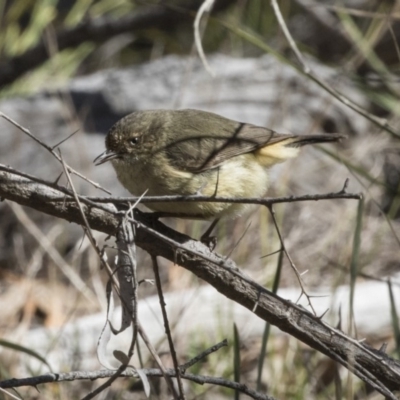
(151,372)
(373,366)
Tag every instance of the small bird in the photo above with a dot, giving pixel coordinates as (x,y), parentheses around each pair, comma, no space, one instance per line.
(189,152)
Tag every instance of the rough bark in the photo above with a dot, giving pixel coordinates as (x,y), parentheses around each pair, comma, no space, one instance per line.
(373,366)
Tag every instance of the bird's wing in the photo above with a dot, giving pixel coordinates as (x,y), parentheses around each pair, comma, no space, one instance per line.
(201,152)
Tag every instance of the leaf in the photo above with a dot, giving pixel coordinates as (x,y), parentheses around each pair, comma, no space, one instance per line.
(145,381)
(22,349)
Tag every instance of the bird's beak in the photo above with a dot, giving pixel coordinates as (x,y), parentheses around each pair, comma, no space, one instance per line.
(108,155)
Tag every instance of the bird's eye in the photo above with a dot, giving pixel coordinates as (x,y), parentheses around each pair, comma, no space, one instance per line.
(134,141)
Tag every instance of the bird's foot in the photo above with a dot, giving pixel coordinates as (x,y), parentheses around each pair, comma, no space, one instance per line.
(209,241)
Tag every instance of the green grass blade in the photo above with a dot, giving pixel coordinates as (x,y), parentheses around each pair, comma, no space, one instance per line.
(364,43)
(256,40)
(236,358)
(22,349)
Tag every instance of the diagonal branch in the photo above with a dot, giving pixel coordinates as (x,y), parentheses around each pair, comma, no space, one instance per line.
(373,366)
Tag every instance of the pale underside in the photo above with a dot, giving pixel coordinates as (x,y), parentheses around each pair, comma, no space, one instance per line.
(241,176)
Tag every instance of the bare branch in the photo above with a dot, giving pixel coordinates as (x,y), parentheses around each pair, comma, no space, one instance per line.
(341,195)
(374,367)
(152,372)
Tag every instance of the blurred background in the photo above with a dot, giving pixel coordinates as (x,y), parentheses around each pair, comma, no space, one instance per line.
(80,65)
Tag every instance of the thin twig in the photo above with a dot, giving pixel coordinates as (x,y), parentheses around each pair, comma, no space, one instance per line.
(114,374)
(51,150)
(9,394)
(64,140)
(153,352)
(245,200)
(85,225)
(203,355)
(52,252)
(155,372)
(167,329)
(238,241)
(296,271)
(271,254)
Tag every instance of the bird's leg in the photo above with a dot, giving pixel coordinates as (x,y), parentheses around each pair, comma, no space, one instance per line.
(150,217)
(207,239)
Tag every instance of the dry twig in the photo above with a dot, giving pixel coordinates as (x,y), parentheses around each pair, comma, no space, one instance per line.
(375,368)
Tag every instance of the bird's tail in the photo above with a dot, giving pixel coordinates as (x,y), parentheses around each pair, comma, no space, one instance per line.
(290,147)
(298,141)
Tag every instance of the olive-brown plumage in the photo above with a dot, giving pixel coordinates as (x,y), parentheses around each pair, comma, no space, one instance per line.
(187,152)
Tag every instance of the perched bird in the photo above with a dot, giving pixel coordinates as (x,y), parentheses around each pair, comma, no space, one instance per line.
(188,152)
